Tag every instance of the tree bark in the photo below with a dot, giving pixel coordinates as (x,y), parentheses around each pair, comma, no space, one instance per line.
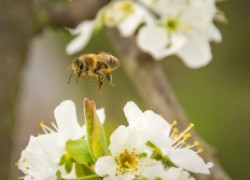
(154,88)
(15,34)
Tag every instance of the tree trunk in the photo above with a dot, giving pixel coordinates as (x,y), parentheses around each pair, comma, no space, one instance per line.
(15,34)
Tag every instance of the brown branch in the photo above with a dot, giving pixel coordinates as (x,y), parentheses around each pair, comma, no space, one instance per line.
(153,86)
(67,14)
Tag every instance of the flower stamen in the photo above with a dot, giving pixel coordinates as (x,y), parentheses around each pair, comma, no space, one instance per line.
(46,129)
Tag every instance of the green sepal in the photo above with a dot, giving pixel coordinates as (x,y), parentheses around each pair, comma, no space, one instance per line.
(95,131)
(58,175)
(69,165)
(67,161)
(79,151)
(157,155)
(83,170)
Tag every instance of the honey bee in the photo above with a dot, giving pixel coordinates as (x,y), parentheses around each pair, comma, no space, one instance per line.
(99,65)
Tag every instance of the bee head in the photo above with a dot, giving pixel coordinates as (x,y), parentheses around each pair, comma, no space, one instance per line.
(77,66)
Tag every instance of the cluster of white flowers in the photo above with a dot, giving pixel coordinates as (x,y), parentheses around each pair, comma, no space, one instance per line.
(148,148)
(162,27)
(40,160)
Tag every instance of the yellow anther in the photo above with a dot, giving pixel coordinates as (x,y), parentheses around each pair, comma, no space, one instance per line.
(174,122)
(183,142)
(200,150)
(175,130)
(188,135)
(191,125)
(41,123)
(196,143)
(19,178)
(24,160)
(16,164)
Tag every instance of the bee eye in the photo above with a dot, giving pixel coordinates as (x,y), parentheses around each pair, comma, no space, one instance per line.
(80,65)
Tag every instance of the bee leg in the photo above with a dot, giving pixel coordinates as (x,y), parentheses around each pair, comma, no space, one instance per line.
(99,78)
(87,71)
(108,75)
(100,82)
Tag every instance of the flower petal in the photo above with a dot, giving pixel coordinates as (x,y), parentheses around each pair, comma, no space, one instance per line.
(50,145)
(37,166)
(177,174)
(85,29)
(214,33)
(155,41)
(154,124)
(105,166)
(129,25)
(196,53)
(132,112)
(118,140)
(66,120)
(189,160)
(101,115)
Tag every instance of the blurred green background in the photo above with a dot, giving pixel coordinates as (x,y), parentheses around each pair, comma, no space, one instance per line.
(216,98)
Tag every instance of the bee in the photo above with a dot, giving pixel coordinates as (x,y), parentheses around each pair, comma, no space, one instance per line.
(99,65)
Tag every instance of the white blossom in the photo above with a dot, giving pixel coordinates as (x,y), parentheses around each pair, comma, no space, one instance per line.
(172,173)
(184,28)
(164,137)
(40,158)
(126,15)
(126,161)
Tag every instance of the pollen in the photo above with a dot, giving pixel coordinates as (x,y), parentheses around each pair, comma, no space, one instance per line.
(174,123)
(16,164)
(41,123)
(188,135)
(196,143)
(24,160)
(179,139)
(108,70)
(175,130)
(127,161)
(200,150)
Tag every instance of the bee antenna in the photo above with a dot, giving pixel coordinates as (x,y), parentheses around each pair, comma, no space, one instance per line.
(70,76)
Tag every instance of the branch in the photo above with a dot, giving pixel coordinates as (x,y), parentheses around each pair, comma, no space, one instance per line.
(152,84)
(67,14)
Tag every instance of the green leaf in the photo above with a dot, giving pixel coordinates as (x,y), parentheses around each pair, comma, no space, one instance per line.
(95,131)
(79,151)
